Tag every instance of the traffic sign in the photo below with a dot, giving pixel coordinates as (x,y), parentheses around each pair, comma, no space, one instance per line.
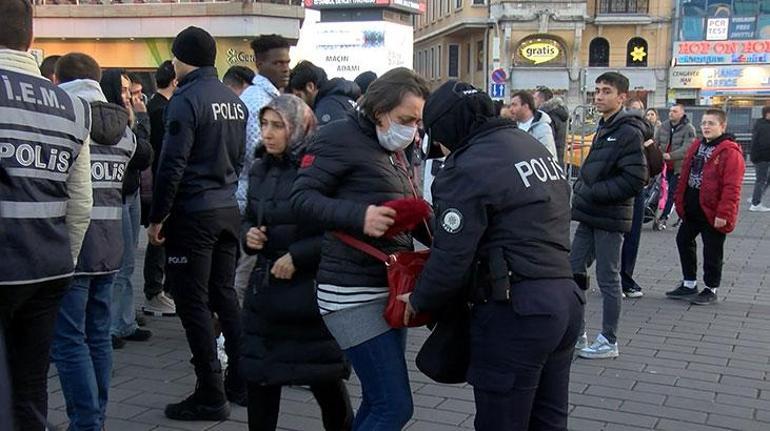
(499,76)
(497,91)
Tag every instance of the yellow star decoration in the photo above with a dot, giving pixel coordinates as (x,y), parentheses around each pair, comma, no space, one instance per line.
(638,54)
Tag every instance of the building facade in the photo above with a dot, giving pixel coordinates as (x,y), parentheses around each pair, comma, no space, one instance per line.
(137,35)
(561,44)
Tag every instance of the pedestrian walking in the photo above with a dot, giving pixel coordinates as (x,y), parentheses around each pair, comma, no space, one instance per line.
(45,209)
(614,172)
(285,341)
(116,87)
(707,203)
(760,157)
(82,348)
(194,213)
(510,231)
(354,166)
(157,300)
(673,137)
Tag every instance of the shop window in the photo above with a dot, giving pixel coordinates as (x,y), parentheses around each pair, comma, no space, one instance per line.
(479,2)
(439,64)
(432,63)
(745,7)
(764,6)
(637,52)
(719,8)
(623,6)
(458,4)
(599,53)
(454,61)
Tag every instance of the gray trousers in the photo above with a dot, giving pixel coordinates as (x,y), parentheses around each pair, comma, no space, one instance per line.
(243,270)
(603,246)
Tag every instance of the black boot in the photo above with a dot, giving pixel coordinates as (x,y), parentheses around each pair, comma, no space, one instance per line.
(582,280)
(235,387)
(207,403)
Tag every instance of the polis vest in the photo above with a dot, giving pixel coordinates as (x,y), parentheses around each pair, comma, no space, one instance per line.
(42,130)
(102,249)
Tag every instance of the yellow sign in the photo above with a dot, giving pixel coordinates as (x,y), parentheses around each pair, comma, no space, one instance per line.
(540,51)
(638,54)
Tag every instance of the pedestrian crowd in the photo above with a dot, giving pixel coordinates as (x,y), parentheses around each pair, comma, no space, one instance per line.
(278,204)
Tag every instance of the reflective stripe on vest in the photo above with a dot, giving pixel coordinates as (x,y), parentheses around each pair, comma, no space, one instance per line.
(102,250)
(42,129)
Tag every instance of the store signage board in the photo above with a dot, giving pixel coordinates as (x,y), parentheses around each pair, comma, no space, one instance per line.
(540,52)
(722,52)
(717,28)
(415,6)
(721,77)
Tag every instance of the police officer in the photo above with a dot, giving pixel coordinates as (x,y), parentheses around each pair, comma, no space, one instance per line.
(502,213)
(194,198)
(45,207)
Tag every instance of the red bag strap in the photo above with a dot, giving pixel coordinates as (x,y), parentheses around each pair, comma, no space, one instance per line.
(363,247)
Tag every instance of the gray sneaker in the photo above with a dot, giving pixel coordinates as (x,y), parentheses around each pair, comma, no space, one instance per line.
(600,349)
(160,305)
(582,342)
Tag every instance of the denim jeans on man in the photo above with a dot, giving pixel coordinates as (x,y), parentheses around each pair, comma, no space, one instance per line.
(82,350)
(631,245)
(760,184)
(386,403)
(604,246)
(673,180)
(123,311)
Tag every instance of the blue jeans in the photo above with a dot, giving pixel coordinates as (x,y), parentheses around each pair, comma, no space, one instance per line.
(82,350)
(630,249)
(386,403)
(123,311)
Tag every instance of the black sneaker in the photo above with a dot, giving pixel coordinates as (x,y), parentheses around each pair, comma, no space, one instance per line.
(235,387)
(118,343)
(141,320)
(705,297)
(139,335)
(191,409)
(682,292)
(634,292)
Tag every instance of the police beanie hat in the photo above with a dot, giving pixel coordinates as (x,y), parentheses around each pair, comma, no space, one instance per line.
(195,46)
(453,111)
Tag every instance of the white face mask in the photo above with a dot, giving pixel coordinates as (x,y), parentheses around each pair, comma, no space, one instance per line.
(397,137)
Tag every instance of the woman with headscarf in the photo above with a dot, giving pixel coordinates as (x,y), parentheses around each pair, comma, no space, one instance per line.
(285,341)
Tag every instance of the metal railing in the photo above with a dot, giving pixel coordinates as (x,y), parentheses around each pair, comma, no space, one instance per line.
(131,2)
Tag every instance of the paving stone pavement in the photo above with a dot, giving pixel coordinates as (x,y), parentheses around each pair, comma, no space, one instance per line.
(680,366)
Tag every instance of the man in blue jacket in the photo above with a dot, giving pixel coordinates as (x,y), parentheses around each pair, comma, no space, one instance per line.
(194,208)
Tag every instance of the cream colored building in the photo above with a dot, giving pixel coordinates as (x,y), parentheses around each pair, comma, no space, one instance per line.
(563,45)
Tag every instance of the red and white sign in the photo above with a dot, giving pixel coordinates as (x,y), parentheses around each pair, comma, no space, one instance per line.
(723,47)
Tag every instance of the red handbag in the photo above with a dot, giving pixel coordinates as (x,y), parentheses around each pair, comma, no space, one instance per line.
(403,269)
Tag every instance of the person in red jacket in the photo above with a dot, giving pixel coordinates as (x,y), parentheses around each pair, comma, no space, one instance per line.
(713,170)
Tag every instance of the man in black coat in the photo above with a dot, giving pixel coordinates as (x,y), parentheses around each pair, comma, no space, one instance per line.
(557,110)
(613,173)
(760,156)
(331,99)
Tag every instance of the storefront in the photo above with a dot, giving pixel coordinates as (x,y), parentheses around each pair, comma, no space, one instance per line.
(723,73)
(540,60)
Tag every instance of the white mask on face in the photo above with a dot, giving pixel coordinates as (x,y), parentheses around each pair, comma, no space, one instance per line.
(397,137)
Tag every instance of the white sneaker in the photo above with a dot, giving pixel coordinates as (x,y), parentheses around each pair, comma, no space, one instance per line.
(600,349)
(160,305)
(221,354)
(759,208)
(582,342)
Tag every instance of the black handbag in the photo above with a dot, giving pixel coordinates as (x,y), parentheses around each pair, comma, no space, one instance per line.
(445,355)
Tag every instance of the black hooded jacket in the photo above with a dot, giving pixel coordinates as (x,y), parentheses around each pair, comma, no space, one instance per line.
(143,155)
(559,120)
(613,173)
(335,99)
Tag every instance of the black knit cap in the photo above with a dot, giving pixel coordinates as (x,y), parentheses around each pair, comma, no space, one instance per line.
(453,111)
(195,46)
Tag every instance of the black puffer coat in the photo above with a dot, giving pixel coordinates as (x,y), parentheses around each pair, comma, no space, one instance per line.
(335,100)
(344,172)
(613,173)
(760,141)
(284,339)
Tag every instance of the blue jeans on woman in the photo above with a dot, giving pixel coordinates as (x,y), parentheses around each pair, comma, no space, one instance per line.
(386,403)
(123,311)
(82,350)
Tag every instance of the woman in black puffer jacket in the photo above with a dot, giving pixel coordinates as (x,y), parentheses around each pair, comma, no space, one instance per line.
(285,341)
(354,166)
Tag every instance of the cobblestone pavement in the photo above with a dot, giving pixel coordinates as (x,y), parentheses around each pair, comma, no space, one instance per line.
(681,367)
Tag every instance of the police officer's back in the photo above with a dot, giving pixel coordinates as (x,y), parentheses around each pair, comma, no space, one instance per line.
(502,240)
(195,189)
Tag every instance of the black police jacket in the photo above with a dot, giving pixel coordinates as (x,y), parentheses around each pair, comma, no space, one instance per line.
(613,173)
(345,171)
(501,190)
(203,147)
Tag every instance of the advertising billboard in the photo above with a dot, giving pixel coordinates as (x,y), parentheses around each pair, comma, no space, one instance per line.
(347,50)
(414,6)
(722,52)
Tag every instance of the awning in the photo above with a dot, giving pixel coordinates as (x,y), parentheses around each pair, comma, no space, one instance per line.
(529,78)
(638,79)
